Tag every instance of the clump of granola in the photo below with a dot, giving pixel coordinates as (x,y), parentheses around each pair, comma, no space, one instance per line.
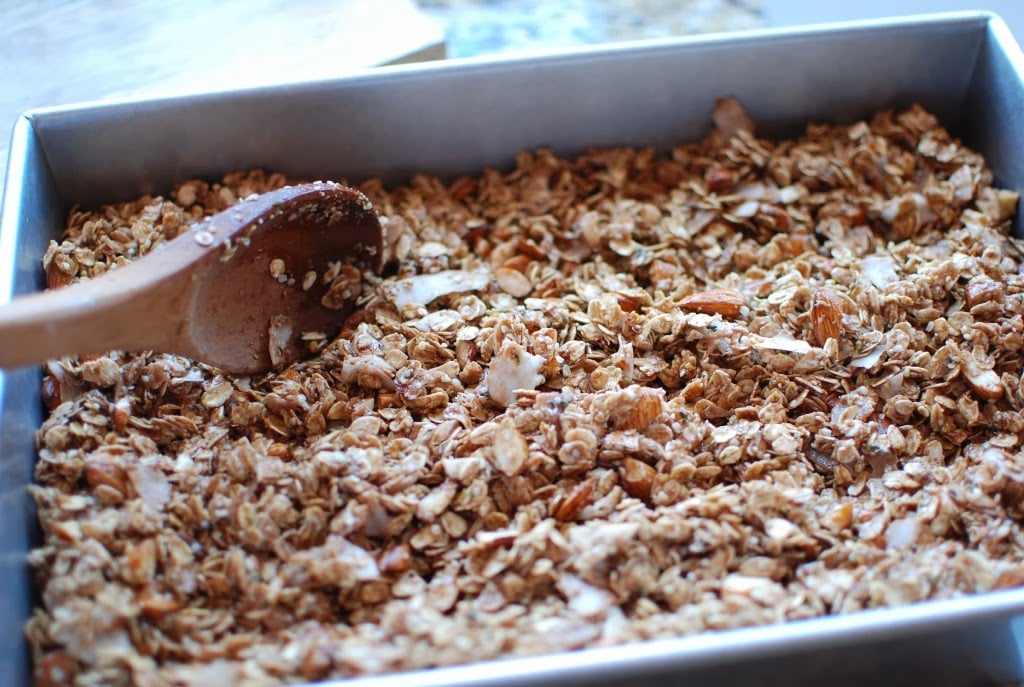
(597,400)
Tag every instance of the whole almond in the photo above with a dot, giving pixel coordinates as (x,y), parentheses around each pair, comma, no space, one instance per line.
(637,478)
(724,302)
(982,290)
(102,471)
(56,277)
(826,316)
(986,383)
(51,393)
(720,179)
(637,407)
(139,561)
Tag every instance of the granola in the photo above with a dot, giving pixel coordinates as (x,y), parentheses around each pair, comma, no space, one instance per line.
(592,401)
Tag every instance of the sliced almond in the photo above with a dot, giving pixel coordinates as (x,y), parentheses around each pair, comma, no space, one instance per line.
(569,508)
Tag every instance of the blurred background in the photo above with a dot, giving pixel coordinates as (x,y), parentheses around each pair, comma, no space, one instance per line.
(55,52)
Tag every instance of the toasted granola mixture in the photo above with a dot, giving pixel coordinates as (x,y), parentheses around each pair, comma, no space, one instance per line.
(594,401)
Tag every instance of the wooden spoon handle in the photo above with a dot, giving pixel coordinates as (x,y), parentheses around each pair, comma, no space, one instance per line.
(126,309)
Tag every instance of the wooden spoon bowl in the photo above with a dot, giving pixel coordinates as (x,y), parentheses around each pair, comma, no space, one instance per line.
(236,291)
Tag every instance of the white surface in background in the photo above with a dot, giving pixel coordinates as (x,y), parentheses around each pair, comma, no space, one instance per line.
(791,12)
(55,52)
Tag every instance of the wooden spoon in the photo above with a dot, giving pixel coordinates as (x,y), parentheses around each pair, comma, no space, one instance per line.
(236,291)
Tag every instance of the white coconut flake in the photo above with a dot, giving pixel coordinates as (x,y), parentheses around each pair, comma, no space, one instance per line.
(439,321)
(780,342)
(584,599)
(779,528)
(193,376)
(151,484)
(754,190)
(747,209)
(468,333)
(736,584)
(789,194)
(894,206)
(902,533)
(369,371)
(183,463)
(218,672)
(363,564)
(426,288)
(431,249)
(868,360)
(880,270)
(278,335)
(962,181)
(513,370)
(615,626)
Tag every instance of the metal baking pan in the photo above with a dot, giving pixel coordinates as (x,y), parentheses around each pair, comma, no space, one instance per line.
(461,116)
